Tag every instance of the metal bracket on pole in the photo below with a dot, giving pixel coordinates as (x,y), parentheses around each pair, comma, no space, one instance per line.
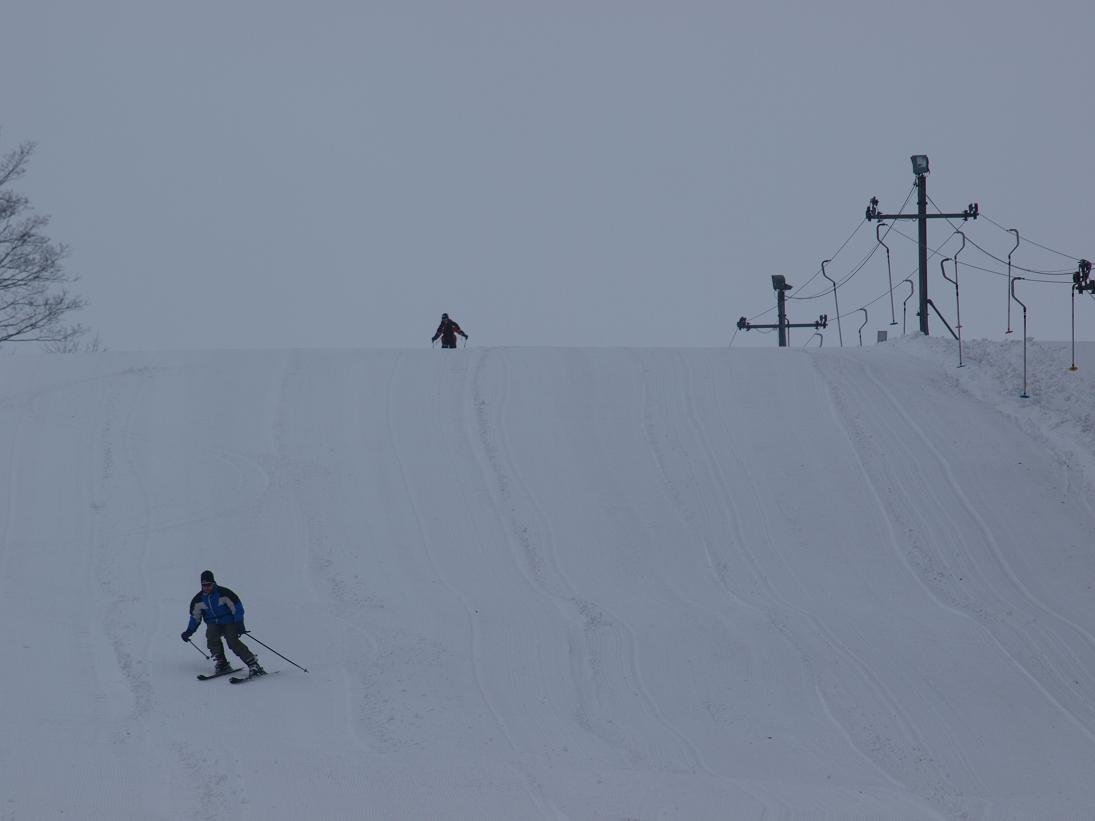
(957,304)
(1082,278)
(942,318)
(1024,394)
(904,305)
(836,301)
(889,270)
(822,322)
(1081,283)
(1012,251)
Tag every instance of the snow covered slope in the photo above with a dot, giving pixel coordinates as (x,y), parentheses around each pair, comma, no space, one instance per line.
(552,583)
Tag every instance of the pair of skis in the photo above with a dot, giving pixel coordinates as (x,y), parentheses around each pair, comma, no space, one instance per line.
(233,679)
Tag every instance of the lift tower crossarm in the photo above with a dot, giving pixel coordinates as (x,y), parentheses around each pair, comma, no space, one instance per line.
(822,322)
(780,286)
(972,212)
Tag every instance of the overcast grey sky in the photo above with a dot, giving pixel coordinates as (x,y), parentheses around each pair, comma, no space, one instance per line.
(275,174)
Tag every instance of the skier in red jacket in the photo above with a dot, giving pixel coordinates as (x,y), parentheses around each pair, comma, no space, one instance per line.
(447,330)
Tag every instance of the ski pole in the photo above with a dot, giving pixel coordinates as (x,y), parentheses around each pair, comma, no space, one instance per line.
(188,641)
(275,652)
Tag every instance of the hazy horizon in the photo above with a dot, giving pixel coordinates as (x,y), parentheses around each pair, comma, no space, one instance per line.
(270,175)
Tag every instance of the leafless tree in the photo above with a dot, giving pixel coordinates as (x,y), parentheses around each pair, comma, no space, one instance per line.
(34,301)
(76,344)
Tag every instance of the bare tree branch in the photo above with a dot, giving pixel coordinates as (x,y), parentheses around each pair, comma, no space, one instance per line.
(33,299)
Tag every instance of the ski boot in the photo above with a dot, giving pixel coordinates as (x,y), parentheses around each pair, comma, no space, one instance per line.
(222,665)
(254,668)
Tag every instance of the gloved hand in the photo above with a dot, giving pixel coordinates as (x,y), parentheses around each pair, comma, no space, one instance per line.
(186,635)
(241,628)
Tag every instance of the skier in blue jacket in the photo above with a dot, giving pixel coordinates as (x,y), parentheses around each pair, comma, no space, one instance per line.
(222,612)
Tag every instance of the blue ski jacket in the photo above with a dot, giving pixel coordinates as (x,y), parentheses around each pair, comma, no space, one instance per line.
(219,606)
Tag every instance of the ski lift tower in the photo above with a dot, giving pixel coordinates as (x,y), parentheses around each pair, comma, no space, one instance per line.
(779,284)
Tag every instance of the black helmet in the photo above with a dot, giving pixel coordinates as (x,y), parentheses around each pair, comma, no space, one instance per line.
(444,316)
(207,577)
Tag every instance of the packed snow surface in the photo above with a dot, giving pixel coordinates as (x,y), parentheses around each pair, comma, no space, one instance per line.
(552,583)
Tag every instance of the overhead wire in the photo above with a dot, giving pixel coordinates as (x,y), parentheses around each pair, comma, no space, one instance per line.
(931,253)
(998,259)
(1032,242)
(1016,266)
(855,270)
(843,245)
(937,251)
(851,236)
(862,263)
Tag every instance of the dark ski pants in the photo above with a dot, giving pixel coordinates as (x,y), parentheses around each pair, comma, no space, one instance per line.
(447,342)
(230,633)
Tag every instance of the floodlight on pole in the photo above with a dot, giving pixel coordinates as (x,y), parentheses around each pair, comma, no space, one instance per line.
(780,286)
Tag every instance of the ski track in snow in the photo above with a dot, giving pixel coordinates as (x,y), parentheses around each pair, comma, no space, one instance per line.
(871,732)
(533,532)
(123,577)
(866,710)
(654,439)
(110,571)
(13,483)
(1006,593)
(525,555)
(319,557)
(875,722)
(115,567)
(475,641)
(842,411)
(976,581)
(543,675)
(247,468)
